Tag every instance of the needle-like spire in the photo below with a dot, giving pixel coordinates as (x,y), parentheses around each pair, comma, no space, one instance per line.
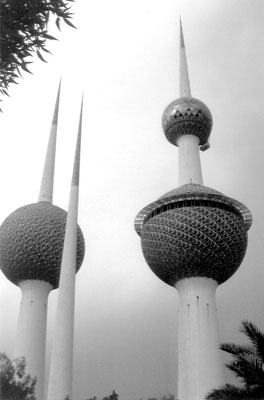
(46,187)
(76,166)
(61,367)
(185,89)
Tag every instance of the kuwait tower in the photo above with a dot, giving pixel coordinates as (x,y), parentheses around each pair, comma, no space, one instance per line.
(31,247)
(193,238)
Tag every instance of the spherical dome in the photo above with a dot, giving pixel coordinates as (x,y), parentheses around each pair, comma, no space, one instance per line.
(191,194)
(31,243)
(194,241)
(191,189)
(187,116)
(193,231)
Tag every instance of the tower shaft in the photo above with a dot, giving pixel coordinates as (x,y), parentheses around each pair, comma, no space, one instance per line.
(200,366)
(61,367)
(190,170)
(31,330)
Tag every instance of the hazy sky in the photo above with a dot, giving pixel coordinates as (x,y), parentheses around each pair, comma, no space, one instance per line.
(124,57)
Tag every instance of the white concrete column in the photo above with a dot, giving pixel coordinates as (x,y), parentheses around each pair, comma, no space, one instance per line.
(200,365)
(190,170)
(61,366)
(31,330)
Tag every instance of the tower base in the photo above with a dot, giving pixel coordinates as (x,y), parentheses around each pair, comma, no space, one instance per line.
(31,330)
(200,365)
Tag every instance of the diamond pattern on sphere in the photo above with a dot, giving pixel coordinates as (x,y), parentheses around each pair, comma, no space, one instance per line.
(195,241)
(31,243)
(191,188)
(187,116)
(192,193)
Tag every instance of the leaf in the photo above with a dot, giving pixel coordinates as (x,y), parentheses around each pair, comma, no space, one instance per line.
(69,23)
(13,81)
(5,92)
(47,36)
(24,67)
(58,23)
(40,56)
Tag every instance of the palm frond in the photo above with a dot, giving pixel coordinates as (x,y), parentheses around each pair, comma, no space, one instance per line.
(227,392)
(255,336)
(254,361)
(237,350)
(248,366)
(249,374)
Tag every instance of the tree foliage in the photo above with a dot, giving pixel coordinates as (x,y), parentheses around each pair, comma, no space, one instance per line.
(164,397)
(248,366)
(113,396)
(24,32)
(15,384)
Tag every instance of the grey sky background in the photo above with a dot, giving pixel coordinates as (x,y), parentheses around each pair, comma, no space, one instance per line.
(125,58)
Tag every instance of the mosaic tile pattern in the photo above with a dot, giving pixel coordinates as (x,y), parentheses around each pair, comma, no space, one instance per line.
(194,241)
(187,116)
(197,195)
(191,188)
(31,243)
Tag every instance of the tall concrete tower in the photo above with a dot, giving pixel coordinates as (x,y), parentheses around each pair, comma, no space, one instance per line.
(31,244)
(193,238)
(61,367)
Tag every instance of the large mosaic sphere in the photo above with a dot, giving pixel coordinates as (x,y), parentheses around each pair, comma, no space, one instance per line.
(187,116)
(31,243)
(194,231)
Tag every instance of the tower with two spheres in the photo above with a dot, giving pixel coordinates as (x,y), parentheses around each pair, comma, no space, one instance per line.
(41,248)
(193,238)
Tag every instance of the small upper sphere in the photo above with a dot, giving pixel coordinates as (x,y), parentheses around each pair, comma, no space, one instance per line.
(187,116)
(31,244)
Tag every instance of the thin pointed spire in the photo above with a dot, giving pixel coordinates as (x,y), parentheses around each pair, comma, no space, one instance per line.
(181,33)
(46,187)
(76,166)
(61,366)
(185,89)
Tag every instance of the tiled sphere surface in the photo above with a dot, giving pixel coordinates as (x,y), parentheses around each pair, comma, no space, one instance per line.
(194,242)
(187,116)
(31,243)
(191,188)
(191,193)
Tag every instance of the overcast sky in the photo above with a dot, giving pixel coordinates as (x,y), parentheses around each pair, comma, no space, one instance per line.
(124,56)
